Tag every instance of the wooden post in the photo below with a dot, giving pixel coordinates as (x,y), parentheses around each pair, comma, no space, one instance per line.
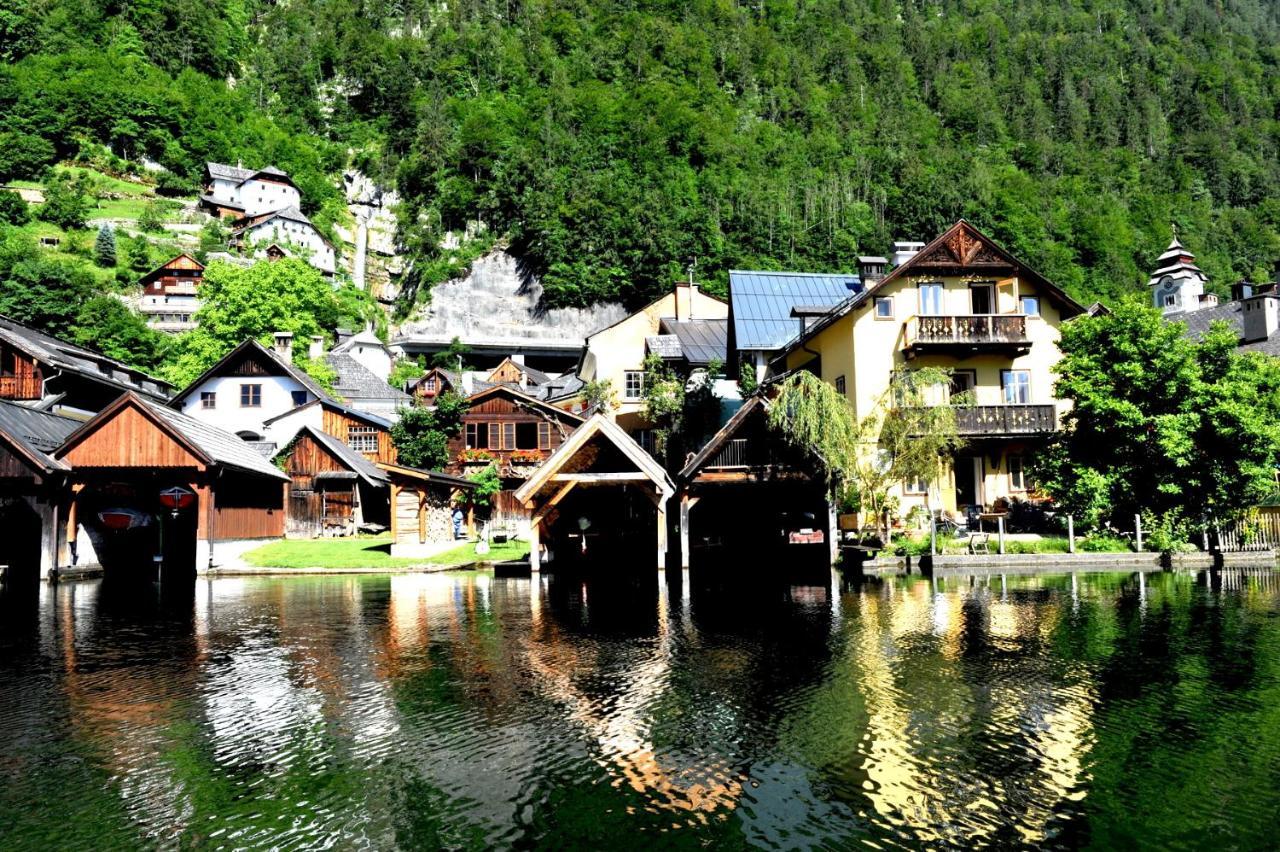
(422,517)
(684,530)
(662,531)
(933,534)
(395,509)
(1071,534)
(535,558)
(1137,531)
(1000,528)
(833,531)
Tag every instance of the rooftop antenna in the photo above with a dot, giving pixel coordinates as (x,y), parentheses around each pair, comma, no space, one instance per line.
(692,265)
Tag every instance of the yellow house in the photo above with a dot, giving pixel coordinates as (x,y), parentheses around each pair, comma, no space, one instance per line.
(617,353)
(965,304)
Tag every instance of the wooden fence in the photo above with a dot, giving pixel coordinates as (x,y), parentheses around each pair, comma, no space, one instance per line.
(1257,531)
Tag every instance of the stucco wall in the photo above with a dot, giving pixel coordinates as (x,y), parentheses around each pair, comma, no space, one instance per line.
(228,414)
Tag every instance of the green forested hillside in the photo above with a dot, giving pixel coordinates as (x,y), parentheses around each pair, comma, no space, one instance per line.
(613,141)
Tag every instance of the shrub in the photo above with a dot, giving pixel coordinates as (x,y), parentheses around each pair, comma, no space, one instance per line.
(1166,533)
(149,220)
(1104,543)
(13,210)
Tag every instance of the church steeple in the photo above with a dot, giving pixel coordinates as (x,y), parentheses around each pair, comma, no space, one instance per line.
(1177,285)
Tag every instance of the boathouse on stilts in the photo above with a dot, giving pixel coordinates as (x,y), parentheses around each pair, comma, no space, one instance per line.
(599,498)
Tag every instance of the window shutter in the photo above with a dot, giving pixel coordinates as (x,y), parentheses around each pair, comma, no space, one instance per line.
(495,436)
(508,436)
(544,435)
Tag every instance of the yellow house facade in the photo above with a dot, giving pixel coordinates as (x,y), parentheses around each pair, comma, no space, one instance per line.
(964,304)
(617,353)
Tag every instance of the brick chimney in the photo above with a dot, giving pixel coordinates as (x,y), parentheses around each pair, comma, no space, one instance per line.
(284,344)
(316,351)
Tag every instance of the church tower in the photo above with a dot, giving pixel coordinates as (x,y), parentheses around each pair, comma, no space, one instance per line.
(1177,285)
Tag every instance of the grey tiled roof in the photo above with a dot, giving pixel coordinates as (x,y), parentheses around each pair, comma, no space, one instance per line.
(760,303)
(40,431)
(286,367)
(235,173)
(218,444)
(665,346)
(1198,322)
(356,462)
(76,359)
(701,340)
(356,381)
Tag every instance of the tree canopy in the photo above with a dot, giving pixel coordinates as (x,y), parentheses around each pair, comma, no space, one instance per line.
(1161,424)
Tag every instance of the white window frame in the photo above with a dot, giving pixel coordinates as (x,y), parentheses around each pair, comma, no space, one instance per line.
(1022,305)
(627,377)
(1012,386)
(941,300)
(883,300)
(914,488)
(363,439)
(1020,485)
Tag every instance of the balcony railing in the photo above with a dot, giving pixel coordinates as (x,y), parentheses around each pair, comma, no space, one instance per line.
(967,330)
(733,454)
(981,420)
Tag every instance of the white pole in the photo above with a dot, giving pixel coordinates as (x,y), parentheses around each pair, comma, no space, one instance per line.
(1137,531)
(1000,527)
(933,534)
(1071,534)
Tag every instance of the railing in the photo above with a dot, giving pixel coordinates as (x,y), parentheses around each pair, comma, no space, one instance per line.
(967,329)
(732,454)
(20,387)
(974,420)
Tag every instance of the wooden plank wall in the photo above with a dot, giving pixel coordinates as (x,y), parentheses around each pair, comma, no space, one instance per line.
(20,376)
(248,506)
(130,439)
(336,423)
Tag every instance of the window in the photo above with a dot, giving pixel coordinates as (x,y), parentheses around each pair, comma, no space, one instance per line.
(1171,300)
(208,399)
(1017,386)
(981,299)
(931,299)
(916,486)
(299,397)
(477,436)
(884,307)
(495,436)
(1017,476)
(526,436)
(1030,305)
(544,435)
(633,384)
(508,436)
(250,396)
(840,385)
(362,439)
(962,382)
(429,385)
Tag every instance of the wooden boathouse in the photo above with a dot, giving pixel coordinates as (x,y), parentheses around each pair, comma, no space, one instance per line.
(598,498)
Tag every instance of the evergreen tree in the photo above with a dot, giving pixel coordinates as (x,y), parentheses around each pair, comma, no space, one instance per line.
(104,247)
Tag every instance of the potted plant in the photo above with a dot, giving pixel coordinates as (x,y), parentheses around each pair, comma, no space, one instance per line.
(850,507)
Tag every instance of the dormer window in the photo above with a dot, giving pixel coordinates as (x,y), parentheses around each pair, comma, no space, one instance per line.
(1171,300)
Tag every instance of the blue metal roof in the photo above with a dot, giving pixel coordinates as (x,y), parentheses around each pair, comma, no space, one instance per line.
(760,303)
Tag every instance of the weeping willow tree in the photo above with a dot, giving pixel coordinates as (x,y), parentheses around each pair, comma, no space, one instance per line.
(905,438)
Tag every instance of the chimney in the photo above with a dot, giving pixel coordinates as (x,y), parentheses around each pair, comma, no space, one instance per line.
(904,251)
(1208,300)
(1261,315)
(284,344)
(1241,290)
(871,268)
(524,380)
(316,351)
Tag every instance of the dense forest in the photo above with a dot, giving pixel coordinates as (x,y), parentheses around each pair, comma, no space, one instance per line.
(614,142)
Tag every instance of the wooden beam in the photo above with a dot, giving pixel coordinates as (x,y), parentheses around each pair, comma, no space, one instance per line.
(535,558)
(395,508)
(662,534)
(550,504)
(601,477)
(685,505)
(422,517)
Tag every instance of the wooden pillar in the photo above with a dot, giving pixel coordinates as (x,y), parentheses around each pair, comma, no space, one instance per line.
(833,530)
(422,517)
(395,510)
(684,530)
(535,558)
(662,530)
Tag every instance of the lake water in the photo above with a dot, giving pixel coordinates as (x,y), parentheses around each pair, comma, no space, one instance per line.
(467,711)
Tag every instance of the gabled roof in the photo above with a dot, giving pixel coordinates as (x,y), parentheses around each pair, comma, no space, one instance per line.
(190,263)
(761,302)
(523,399)
(600,425)
(226,172)
(250,346)
(722,437)
(448,375)
(356,381)
(431,476)
(209,444)
(671,294)
(961,249)
(83,362)
(333,405)
(354,461)
(363,338)
(701,340)
(291,213)
(35,433)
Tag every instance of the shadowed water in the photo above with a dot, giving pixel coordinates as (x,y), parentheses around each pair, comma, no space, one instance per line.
(464,711)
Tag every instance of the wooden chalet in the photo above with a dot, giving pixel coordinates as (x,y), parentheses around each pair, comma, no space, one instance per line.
(34,489)
(62,377)
(334,490)
(422,503)
(366,434)
(180,276)
(431,384)
(749,493)
(516,432)
(599,499)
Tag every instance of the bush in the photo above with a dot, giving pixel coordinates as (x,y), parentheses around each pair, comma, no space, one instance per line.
(23,155)
(1104,543)
(66,203)
(13,210)
(149,220)
(1166,533)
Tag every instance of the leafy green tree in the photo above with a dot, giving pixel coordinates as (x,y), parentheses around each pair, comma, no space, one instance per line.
(66,202)
(254,302)
(488,483)
(453,357)
(107,325)
(599,394)
(1178,429)
(43,292)
(405,370)
(24,155)
(421,435)
(149,219)
(104,247)
(683,409)
(13,210)
(137,253)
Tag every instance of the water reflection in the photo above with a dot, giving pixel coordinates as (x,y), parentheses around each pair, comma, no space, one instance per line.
(464,710)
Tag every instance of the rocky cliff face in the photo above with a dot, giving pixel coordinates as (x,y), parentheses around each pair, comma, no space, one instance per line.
(499,301)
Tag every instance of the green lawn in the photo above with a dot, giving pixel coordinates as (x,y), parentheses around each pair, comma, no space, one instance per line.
(367,552)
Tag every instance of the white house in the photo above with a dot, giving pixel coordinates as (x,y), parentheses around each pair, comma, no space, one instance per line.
(238,192)
(371,352)
(248,387)
(287,228)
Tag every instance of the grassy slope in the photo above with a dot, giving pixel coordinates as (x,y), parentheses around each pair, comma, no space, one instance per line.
(367,552)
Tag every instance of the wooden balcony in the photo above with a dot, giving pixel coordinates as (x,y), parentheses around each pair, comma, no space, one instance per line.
(967,334)
(980,421)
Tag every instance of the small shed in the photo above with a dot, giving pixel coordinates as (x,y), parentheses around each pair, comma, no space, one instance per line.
(422,504)
(599,497)
(334,490)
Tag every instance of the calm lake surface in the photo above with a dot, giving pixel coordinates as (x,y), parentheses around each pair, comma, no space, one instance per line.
(467,711)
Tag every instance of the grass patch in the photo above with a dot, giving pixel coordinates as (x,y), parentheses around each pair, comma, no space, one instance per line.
(918,545)
(366,552)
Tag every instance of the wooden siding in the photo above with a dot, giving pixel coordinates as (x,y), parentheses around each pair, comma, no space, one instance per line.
(14,466)
(422,515)
(20,376)
(507,371)
(318,508)
(495,418)
(338,425)
(130,439)
(248,507)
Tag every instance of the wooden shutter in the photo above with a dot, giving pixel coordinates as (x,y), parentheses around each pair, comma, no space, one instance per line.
(495,436)
(508,436)
(544,435)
